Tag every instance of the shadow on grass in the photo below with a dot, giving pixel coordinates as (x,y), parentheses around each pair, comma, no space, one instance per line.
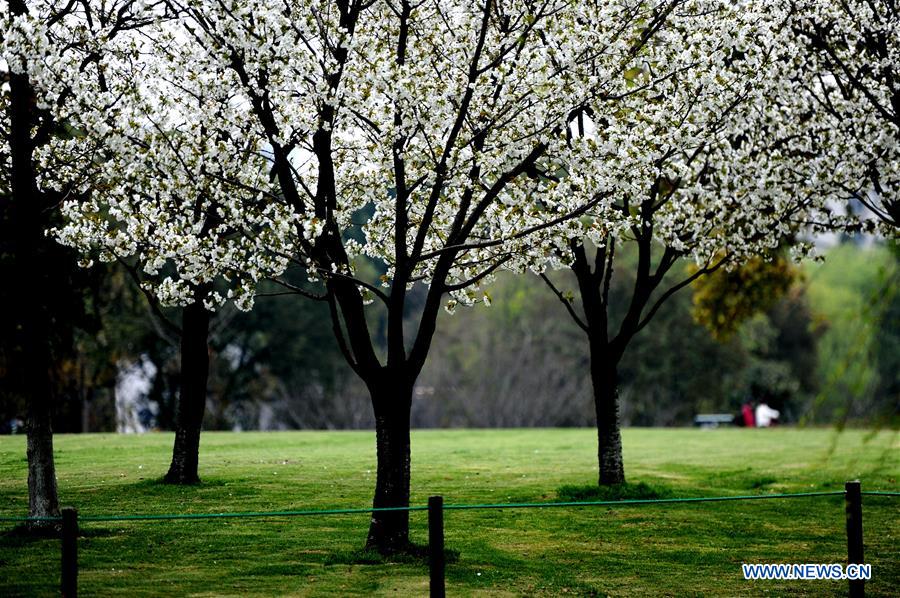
(737,479)
(417,556)
(626,491)
(207,488)
(162,485)
(22,535)
(761,482)
(280,569)
(518,573)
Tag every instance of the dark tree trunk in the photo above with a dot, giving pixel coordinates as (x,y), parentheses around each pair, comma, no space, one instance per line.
(192,395)
(36,367)
(605,380)
(389,531)
(42,494)
(27,228)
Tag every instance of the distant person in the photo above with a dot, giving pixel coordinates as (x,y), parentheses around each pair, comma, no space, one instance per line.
(13,426)
(747,414)
(765,416)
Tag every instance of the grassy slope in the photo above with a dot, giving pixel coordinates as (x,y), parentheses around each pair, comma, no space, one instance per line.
(630,550)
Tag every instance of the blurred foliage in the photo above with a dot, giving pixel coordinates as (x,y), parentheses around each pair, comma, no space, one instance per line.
(123,332)
(855,296)
(676,367)
(520,362)
(524,362)
(821,344)
(278,366)
(726,298)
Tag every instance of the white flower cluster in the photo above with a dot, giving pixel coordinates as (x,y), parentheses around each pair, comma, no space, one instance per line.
(848,64)
(31,46)
(135,153)
(716,160)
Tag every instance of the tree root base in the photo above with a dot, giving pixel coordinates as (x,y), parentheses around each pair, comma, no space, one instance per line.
(179,480)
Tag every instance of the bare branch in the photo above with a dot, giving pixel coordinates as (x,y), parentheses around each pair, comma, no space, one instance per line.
(565,301)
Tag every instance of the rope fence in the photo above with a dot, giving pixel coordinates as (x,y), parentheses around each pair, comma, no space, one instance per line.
(70,520)
(447,507)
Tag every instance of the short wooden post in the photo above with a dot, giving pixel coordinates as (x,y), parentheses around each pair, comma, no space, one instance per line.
(436,546)
(69,579)
(853,508)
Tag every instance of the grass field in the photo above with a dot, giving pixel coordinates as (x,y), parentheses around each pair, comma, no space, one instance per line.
(641,550)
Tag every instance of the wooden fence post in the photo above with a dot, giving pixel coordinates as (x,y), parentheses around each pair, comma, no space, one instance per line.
(69,579)
(853,509)
(436,546)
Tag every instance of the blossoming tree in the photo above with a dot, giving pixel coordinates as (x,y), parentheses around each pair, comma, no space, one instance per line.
(154,206)
(81,66)
(710,169)
(43,165)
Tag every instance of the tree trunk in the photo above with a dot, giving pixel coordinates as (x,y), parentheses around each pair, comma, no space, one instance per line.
(389,531)
(27,228)
(38,385)
(42,494)
(605,380)
(192,395)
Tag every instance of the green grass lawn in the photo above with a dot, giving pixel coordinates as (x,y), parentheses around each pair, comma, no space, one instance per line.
(638,550)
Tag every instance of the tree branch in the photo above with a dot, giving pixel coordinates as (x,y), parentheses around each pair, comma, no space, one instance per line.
(701,272)
(565,301)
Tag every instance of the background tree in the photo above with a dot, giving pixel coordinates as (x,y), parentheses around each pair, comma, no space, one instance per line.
(854,294)
(510,365)
(278,367)
(724,299)
(41,168)
(152,210)
(887,343)
(700,176)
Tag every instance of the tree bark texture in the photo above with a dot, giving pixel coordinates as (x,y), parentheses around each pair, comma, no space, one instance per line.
(42,493)
(605,380)
(191,397)
(389,530)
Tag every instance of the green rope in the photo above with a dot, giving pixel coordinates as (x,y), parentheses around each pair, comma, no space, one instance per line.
(536,505)
(642,501)
(221,515)
(879,493)
(250,514)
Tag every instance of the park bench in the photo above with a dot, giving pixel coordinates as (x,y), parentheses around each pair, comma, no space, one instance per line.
(713,420)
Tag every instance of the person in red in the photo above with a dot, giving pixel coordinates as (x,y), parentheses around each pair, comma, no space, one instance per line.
(749,418)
